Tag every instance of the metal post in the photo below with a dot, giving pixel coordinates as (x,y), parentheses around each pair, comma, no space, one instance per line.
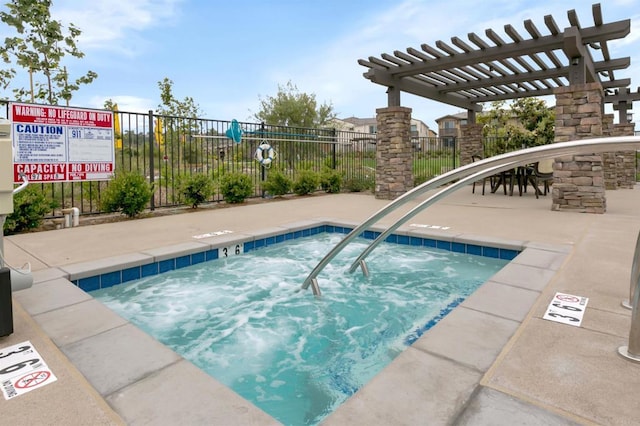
(263,170)
(635,276)
(632,350)
(152,171)
(6,306)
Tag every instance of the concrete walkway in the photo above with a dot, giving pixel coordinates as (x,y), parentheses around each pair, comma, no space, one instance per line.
(493,360)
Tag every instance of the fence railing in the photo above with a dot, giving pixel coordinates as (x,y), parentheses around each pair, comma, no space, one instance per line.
(167,148)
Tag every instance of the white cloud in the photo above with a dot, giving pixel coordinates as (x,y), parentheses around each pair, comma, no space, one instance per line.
(125,103)
(115,25)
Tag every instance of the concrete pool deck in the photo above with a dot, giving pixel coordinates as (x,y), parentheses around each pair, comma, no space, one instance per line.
(493,360)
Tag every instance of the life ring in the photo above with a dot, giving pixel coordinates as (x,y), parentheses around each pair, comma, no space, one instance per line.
(265,161)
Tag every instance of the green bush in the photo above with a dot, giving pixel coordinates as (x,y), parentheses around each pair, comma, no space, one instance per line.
(236,187)
(331,181)
(277,183)
(128,193)
(306,183)
(29,207)
(196,189)
(359,184)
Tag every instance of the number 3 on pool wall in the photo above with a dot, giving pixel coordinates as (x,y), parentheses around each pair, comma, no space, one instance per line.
(232,250)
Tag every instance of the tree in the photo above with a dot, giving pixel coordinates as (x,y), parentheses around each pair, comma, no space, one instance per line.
(171,106)
(291,108)
(40,47)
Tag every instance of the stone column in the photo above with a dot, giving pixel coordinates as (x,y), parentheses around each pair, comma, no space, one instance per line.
(609,158)
(578,181)
(625,160)
(394,157)
(470,142)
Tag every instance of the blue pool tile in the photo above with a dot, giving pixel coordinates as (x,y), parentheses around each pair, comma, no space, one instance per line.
(428,242)
(110,279)
(306,232)
(183,261)
(474,249)
(315,231)
(507,254)
(198,258)
(259,243)
(393,238)
(369,235)
(270,240)
(458,247)
(131,274)
(445,245)
(297,234)
(279,238)
(403,239)
(330,228)
(491,252)
(212,254)
(415,241)
(150,269)
(90,283)
(166,265)
(249,245)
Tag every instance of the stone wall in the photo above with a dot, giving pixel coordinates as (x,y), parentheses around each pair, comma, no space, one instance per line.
(578,181)
(394,157)
(470,142)
(625,161)
(609,158)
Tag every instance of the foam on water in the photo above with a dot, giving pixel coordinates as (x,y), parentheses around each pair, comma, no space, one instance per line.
(296,356)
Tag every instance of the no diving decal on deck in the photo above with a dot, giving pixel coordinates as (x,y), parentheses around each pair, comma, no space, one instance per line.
(22,369)
(567,309)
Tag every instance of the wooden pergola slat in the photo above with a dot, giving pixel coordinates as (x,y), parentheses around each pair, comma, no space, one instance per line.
(466,74)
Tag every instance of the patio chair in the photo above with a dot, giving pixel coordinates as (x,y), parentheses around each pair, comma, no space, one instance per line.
(475,158)
(542,173)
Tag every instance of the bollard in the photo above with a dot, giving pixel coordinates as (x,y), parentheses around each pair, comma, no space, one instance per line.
(635,275)
(6,307)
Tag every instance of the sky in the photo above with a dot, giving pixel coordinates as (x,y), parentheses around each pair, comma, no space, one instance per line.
(228,55)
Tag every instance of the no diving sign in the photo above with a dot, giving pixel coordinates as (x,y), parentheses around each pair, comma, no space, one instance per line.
(22,369)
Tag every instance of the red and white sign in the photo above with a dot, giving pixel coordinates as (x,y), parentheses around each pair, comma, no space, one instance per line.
(567,309)
(22,370)
(60,144)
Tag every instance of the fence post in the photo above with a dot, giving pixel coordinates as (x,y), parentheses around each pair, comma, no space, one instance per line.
(263,170)
(152,171)
(333,149)
(455,143)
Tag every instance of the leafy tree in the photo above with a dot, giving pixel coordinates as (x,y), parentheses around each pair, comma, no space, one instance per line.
(40,47)
(174,107)
(291,108)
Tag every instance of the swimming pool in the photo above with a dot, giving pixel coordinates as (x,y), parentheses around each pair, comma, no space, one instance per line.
(282,349)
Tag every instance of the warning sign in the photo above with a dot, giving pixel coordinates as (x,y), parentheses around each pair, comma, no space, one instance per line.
(22,370)
(58,144)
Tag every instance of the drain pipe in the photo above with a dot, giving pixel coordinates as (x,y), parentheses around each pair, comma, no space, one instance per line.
(71,217)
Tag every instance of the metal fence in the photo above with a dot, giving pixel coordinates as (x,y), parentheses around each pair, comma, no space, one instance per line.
(165,149)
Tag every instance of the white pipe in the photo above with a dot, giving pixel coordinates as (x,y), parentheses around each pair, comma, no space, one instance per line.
(76,216)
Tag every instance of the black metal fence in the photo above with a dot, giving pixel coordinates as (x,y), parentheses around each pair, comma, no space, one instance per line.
(165,149)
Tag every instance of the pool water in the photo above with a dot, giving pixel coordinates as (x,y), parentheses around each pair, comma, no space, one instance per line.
(297,357)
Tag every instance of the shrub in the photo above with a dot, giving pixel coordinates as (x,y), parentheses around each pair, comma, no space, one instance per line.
(359,184)
(236,187)
(306,183)
(277,183)
(331,181)
(128,193)
(196,189)
(29,207)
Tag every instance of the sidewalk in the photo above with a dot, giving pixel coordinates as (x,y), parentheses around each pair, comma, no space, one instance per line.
(543,372)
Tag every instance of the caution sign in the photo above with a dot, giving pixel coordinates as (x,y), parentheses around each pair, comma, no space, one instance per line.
(567,309)
(61,144)
(22,370)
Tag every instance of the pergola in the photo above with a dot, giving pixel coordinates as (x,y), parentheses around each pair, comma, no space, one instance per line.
(467,74)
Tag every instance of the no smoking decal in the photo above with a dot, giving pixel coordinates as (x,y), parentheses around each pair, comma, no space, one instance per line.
(567,309)
(22,370)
